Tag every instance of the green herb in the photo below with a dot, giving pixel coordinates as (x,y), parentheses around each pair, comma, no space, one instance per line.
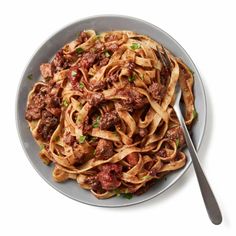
(135,46)
(81,85)
(79,50)
(142,78)
(117,192)
(107,54)
(65,103)
(96,122)
(177,142)
(98,36)
(30,77)
(131,78)
(73,73)
(57,138)
(82,139)
(127,195)
(195,114)
(94,152)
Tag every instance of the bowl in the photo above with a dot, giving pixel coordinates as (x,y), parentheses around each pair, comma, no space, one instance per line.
(48,50)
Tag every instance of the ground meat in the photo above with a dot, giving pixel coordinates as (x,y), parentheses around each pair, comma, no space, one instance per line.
(35,106)
(134,100)
(47,70)
(132,158)
(157,91)
(53,105)
(69,139)
(82,152)
(143,132)
(74,75)
(113,78)
(94,142)
(99,46)
(112,47)
(94,183)
(104,61)
(104,150)
(88,60)
(98,85)
(95,99)
(109,119)
(175,134)
(111,37)
(162,153)
(86,126)
(109,176)
(54,102)
(58,61)
(83,37)
(47,125)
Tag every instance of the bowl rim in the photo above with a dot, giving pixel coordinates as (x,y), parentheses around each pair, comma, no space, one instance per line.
(91,17)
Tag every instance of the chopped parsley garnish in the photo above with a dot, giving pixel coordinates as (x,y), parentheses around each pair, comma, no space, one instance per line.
(117,192)
(30,77)
(96,122)
(131,78)
(135,46)
(82,139)
(65,103)
(73,73)
(124,195)
(94,152)
(127,195)
(177,142)
(81,85)
(79,50)
(195,114)
(107,54)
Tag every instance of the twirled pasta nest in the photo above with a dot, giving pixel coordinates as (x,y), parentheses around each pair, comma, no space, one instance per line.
(103,115)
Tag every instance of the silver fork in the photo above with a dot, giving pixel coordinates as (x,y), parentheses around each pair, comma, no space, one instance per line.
(211,204)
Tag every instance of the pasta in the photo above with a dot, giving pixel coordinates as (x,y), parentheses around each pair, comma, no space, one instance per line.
(103,112)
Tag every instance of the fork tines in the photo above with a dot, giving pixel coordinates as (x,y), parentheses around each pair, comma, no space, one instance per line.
(164,59)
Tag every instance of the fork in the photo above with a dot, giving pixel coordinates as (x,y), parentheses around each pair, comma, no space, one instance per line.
(211,204)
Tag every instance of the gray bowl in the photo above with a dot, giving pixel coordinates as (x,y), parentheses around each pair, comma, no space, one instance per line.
(46,52)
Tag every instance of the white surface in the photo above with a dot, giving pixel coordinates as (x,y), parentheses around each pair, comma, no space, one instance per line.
(28,206)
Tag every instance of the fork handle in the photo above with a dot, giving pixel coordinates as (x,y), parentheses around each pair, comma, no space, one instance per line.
(211,204)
